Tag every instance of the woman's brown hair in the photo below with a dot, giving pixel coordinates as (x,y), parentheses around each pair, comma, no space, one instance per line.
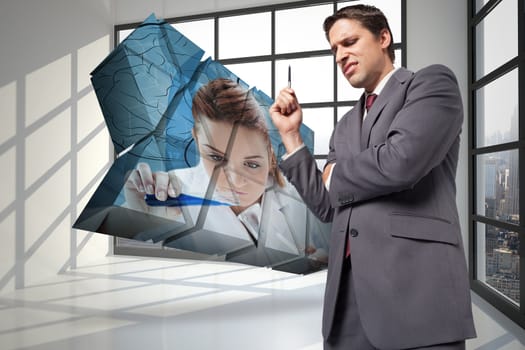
(225,100)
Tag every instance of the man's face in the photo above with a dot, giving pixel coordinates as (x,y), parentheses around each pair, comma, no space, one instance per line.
(362,57)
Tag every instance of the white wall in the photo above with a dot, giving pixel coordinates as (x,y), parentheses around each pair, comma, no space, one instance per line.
(53,142)
(441,37)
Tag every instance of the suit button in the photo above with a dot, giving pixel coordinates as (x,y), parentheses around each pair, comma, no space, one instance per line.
(354,232)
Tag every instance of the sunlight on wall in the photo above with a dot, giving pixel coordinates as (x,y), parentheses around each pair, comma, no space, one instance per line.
(8,103)
(94,157)
(91,128)
(39,261)
(88,165)
(7,184)
(53,144)
(47,205)
(89,116)
(47,146)
(90,246)
(47,88)
(7,258)
(88,57)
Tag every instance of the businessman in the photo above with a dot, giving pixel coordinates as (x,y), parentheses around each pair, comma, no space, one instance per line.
(397,275)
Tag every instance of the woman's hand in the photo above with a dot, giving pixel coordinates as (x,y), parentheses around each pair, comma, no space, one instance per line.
(142,181)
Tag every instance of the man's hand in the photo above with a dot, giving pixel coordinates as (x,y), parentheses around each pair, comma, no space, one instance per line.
(287,116)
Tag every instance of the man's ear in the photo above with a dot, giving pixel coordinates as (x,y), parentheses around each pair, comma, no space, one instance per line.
(385,38)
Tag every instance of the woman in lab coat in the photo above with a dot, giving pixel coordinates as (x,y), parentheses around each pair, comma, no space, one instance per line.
(265,222)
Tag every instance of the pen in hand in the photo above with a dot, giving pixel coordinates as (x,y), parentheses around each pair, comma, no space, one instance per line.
(289,76)
(181,201)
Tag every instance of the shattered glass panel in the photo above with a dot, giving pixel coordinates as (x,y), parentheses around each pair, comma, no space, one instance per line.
(196,167)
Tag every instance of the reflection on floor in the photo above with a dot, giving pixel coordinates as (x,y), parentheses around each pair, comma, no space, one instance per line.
(135,303)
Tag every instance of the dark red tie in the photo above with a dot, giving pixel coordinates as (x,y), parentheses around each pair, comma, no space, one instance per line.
(369,101)
(347,253)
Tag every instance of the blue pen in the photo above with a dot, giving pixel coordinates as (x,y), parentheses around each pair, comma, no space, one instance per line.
(181,200)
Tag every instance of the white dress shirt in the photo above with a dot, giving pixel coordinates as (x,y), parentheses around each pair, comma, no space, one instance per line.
(376,91)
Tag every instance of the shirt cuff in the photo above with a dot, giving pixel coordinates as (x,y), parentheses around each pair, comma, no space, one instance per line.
(288,155)
(327,183)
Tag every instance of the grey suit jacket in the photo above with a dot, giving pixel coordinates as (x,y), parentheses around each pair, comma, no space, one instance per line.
(392,193)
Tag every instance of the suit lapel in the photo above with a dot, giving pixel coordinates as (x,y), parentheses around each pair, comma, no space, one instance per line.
(371,118)
(354,126)
(399,77)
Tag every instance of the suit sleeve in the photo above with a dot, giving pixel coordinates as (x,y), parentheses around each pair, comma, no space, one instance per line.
(418,139)
(301,170)
(331,151)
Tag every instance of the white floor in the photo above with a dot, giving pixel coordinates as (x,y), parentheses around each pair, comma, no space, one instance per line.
(135,303)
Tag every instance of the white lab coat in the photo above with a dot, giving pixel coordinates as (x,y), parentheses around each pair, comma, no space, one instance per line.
(282,221)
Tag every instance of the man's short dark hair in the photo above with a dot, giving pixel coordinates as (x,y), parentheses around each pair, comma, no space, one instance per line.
(370,17)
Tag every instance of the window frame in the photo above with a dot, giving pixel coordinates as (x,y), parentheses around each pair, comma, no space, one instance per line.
(515,312)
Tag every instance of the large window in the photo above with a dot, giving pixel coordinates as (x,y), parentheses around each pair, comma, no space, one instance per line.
(258,44)
(497,153)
